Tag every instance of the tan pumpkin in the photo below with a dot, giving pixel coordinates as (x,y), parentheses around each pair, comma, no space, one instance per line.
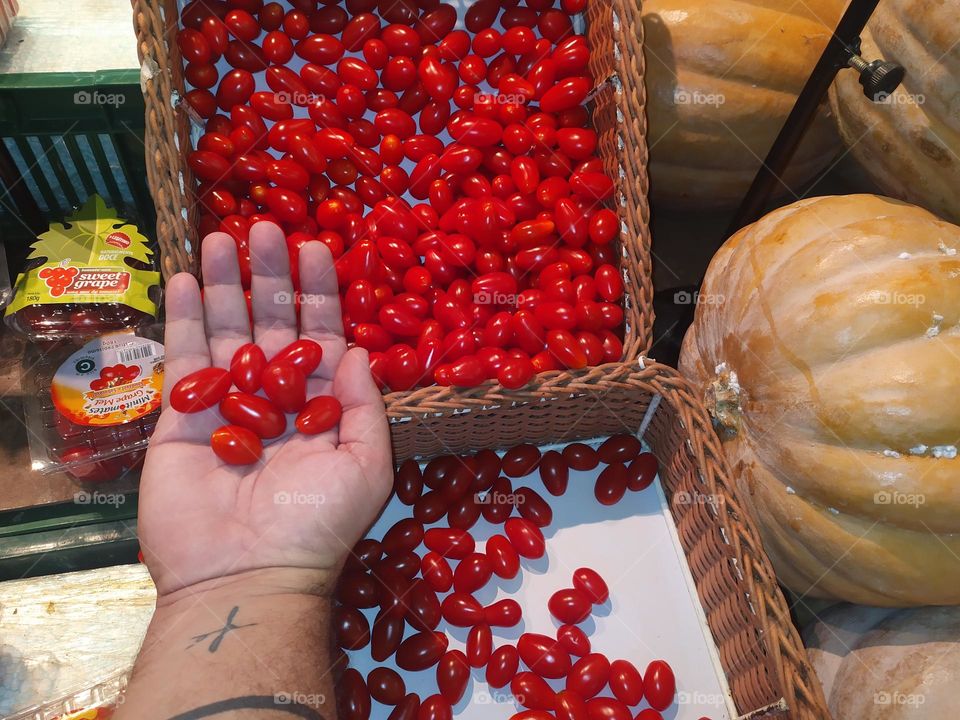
(721,77)
(885,663)
(910,144)
(826,345)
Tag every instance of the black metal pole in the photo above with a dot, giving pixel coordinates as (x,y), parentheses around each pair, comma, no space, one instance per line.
(844,44)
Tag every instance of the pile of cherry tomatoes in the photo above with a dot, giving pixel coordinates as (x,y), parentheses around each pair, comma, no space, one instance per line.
(489,256)
(410,591)
(252,418)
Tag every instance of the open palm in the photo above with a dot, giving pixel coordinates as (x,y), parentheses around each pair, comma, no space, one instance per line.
(309,498)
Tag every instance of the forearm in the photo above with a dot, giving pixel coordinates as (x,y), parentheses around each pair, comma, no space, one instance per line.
(250,646)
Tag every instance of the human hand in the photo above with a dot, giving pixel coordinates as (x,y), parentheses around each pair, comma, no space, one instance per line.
(201,520)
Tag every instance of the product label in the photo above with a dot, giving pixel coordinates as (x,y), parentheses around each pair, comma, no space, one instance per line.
(113,379)
(87,259)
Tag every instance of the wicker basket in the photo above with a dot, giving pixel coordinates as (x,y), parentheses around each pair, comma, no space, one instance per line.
(765,664)
(614,32)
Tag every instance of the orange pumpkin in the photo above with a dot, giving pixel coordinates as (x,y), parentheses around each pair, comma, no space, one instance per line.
(826,345)
(909,144)
(721,78)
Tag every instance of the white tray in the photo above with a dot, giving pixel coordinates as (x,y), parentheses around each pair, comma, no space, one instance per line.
(653,611)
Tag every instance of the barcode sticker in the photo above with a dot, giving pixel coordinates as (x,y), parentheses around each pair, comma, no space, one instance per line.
(141,352)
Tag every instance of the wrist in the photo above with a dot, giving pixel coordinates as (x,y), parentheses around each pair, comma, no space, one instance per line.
(306,583)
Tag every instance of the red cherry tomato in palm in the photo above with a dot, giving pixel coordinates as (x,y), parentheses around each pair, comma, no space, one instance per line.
(254,413)
(659,685)
(200,390)
(236,445)
(285,386)
(304,354)
(320,414)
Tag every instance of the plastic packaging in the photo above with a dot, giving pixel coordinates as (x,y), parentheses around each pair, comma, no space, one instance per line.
(89,275)
(98,702)
(92,404)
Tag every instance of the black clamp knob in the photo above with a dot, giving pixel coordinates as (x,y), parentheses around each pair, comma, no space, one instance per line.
(879,78)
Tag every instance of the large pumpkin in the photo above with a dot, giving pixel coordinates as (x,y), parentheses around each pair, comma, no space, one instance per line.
(909,144)
(721,77)
(826,345)
(895,664)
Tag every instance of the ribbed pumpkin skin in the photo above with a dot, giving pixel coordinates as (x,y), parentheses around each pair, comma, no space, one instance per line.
(895,664)
(827,311)
(910,145)
(757,56)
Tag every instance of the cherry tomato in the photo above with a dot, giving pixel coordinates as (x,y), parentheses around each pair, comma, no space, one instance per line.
(611,484)
(651,714)
(503,613)
(462,610)
(659,685)
(420,651)
(520,460)
(532,691)
(569,606)
(533,507)
(604,226)
(626,682)
(641,472)
(353,696)
(236,445)
(453,674)
(200,390)
(580,457)
(409,707)
(449,542)
(479,645)
(254,413)
(543,655)
(357,589)
(386,686)
(606,708)
(304,354)
(285,386)
(589,675)
(554,472)
(436,572)
(589,582)
(503,664)
(570,706)
(573,640)
(386,635)
(472,573)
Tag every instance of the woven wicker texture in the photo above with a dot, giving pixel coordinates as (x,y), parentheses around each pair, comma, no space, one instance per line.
(759,647)
(618,115)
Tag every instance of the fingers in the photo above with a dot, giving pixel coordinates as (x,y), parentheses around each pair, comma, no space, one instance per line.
(363,427)
(274,314)
(225,307)
(185,341)
(320,318)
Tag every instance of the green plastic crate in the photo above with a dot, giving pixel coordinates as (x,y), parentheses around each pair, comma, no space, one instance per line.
(66,136)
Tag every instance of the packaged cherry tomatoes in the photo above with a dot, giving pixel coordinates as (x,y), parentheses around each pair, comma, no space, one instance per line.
(92,404)
(91,274)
